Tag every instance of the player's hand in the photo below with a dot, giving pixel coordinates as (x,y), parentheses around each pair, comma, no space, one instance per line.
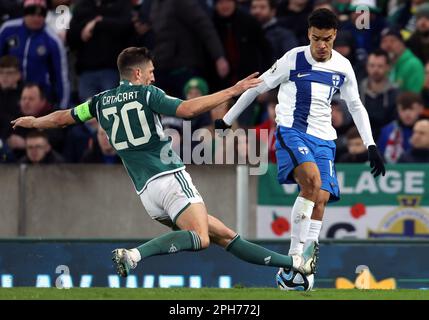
(247,83)
(376,161)
(25,122)
(222,125)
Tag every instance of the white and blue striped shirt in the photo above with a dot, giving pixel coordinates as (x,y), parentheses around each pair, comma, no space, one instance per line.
(305,94)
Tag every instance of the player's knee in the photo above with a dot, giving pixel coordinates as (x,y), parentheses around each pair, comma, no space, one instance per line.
(311,184)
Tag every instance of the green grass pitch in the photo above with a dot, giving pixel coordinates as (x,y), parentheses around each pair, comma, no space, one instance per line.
(208,294)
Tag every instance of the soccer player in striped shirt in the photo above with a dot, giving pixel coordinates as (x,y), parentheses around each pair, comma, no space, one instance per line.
(308,77)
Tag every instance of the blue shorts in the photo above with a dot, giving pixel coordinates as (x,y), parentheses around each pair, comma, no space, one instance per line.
(294,147)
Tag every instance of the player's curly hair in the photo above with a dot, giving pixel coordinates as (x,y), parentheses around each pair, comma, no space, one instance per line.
(132,57)
(323,19)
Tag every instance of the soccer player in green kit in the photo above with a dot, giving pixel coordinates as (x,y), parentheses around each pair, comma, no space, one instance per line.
(130,115)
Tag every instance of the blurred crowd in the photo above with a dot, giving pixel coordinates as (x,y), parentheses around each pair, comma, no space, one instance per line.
(56,54)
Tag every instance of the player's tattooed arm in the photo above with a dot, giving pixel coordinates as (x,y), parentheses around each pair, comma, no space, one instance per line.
(57,119)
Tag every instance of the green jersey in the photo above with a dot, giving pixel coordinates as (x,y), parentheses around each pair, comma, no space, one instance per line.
(130,115)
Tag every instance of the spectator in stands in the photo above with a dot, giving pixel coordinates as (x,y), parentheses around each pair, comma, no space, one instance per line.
(244,5)
(38,150)
(341,6)
(293,15)
(280,38)
(377,93)
(144,35)
(246,48)
(345,44)
(366,38)
(6,155)
(425,91)
(325,4)
(99,30)
(33,102)
(194,88)
(356,150)
(77,140)
(419,40)
(407,70)
(269,126)
(10,91)
(404,17)
(10,9)
(341,121)
(419,151)
(394,138)
(100,150)
(39,50)
(184,35)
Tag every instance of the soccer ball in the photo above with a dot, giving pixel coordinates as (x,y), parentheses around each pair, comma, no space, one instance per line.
(291,280)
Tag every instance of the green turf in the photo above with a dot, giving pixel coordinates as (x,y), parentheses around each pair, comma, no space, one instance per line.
(209,294)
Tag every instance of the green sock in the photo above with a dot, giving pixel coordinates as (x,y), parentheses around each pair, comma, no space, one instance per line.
(170,243)
(256,254)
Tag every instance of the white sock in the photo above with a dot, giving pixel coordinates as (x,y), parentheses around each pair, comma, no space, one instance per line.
(301,218)
(313,233)
(135,255)
(296,261)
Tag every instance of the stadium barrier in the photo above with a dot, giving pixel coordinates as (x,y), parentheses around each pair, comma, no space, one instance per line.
(395,206)
(86,263)
(98,201)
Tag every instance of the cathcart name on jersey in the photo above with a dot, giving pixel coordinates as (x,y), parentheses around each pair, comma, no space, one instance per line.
(120,97)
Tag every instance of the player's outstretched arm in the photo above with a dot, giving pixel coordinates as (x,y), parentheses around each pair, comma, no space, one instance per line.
(242,103)
(193,107)
(57,119)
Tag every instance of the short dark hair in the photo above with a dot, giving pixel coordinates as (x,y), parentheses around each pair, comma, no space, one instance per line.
(38,86)
(323,19)
(273,4)
(381,53)
(353,133)
(406,100)
(9,62)
(132,57)
(37,134)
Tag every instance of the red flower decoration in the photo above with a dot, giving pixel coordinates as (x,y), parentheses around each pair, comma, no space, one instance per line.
(279,225)
(358,210)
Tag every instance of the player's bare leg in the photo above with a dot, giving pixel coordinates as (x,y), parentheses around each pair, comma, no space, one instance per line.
(307,176)
(253,253)
(219,233)
(193,236)
(195,218)
(320,205)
